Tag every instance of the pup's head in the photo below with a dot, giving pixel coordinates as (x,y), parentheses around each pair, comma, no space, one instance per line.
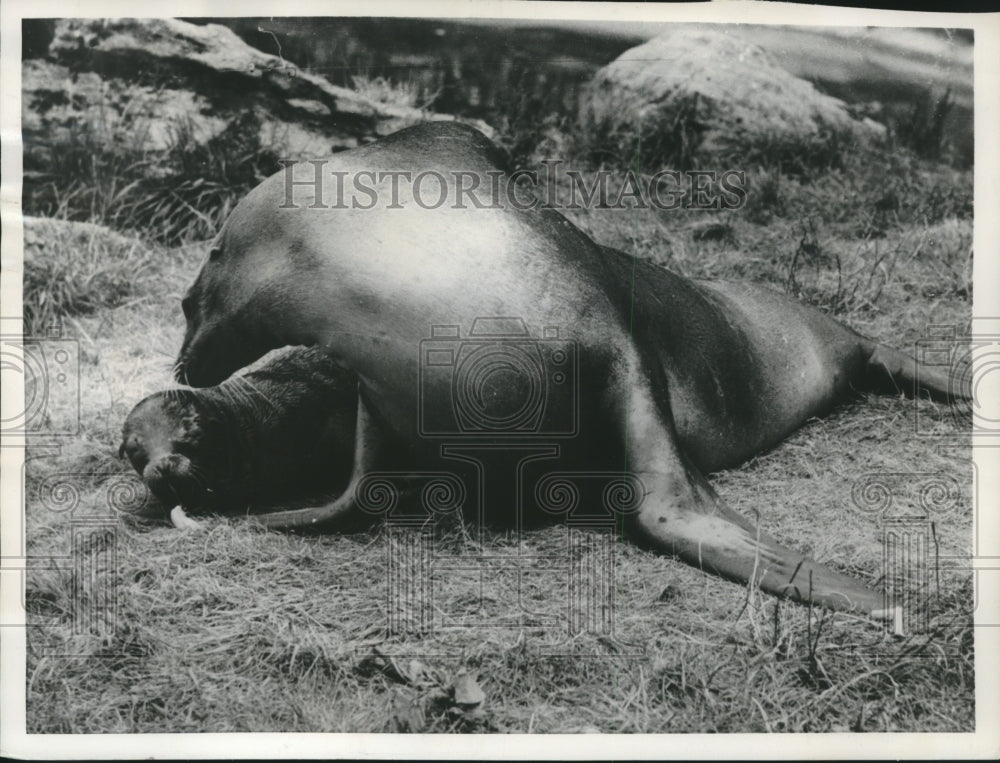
(171,439)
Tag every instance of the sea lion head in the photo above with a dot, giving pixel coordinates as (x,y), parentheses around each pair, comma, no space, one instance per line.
(225,325)
(172,439)
(240,305)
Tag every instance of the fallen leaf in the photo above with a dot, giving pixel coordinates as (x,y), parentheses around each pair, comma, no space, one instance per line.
(669,593)
(467,691)
(407,713)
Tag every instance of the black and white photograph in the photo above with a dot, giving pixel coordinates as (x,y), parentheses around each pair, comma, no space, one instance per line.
(536,369)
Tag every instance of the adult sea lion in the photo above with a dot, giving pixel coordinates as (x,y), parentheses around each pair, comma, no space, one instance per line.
(283,431)
(668,378)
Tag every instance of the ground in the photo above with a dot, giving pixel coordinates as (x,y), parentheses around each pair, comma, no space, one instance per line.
(231,628)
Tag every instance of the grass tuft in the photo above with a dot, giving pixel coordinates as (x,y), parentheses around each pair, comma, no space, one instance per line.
(392,93)
(105,173)
(76,269)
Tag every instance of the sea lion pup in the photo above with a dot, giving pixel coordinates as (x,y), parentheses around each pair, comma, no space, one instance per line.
(280,433)
(510,324)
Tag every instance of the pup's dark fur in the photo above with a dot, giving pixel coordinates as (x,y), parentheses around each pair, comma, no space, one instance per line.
(277,434)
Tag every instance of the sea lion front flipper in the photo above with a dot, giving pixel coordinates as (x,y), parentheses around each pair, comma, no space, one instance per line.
(682,515)
(707,534)
(367,445)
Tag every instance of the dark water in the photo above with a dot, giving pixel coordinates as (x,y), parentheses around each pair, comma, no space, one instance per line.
(522,80)
(497,74)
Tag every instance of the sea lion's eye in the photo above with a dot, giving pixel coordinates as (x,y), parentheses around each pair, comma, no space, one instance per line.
(214,252)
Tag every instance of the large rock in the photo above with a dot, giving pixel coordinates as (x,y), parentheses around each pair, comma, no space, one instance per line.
(698,92)
(159,126)
(161,80)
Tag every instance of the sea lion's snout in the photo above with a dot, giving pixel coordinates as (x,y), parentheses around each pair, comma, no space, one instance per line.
(212,351)
(161,439)
(133,449)
(172,480)
(227,321)
(202,353)
(197,358)
(188,371)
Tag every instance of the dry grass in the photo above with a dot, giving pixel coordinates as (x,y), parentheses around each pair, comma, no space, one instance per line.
(230,628)
(102,272)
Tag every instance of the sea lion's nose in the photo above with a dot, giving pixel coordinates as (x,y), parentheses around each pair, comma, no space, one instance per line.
(196,371)
(157,476)
(164,476)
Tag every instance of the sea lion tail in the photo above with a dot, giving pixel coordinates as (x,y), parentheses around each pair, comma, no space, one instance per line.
(892,370)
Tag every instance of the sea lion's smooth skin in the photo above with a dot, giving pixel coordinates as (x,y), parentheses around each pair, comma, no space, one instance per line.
(283,431)
(676,377)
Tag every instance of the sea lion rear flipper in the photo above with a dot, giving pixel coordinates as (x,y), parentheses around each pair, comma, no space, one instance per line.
(889,368)
(366,448)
